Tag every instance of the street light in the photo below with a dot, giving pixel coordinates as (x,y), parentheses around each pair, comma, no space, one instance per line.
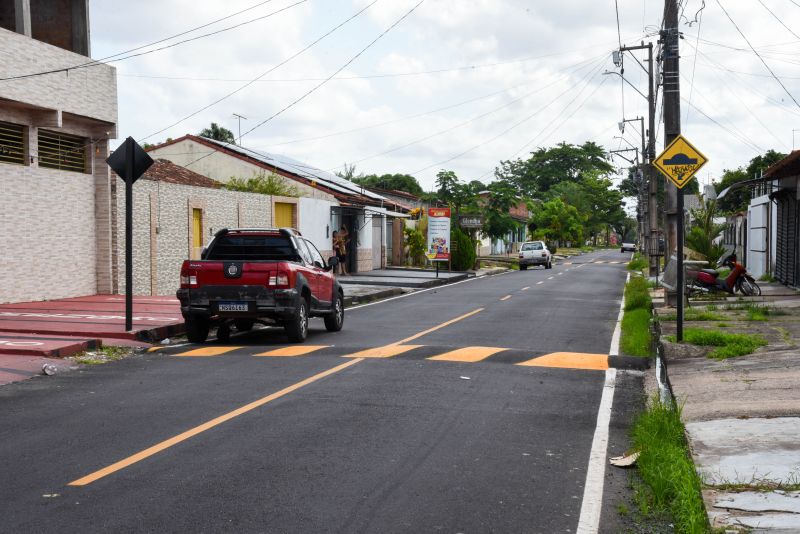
(616,56)
(624,79)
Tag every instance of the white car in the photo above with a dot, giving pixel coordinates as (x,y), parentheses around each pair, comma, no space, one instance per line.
(628,247)
(535,253)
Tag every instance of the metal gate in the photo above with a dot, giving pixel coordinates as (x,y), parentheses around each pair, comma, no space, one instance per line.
(787,256)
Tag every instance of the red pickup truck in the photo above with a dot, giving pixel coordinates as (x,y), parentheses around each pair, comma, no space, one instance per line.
(264,275)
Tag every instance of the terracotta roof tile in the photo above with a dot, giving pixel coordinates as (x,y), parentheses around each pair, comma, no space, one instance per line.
(165,171)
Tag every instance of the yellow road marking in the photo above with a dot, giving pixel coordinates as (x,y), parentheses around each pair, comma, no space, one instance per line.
(525,288)
(294,350)
(570,360)
(154,349)
(386,351)
(467,354)
(208,351)
(139,456)
(506,297)
(393,349)
(615,262)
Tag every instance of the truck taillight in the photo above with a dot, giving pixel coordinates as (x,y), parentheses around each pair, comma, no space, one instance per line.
(279,279)
(188,280)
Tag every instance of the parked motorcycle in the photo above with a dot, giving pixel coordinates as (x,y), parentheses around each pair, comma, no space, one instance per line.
(739,279)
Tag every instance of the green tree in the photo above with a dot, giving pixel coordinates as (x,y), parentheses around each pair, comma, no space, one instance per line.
(266,184)
(549,166)
(349,173)
(496,207)
(738,199)
(416,245)
(218,133)
(558,221)
(397,182)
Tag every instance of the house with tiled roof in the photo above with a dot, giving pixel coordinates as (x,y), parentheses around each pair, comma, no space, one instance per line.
(325,202)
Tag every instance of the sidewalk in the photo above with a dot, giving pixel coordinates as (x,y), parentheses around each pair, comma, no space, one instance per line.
(742,414)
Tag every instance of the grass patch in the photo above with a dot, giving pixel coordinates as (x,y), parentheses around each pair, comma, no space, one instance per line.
(672,484)
(638,263)
(758,312)
(694,314)
(722,325)
(766,277)
(635,339)
(728,345)
(101,355)
(637,294)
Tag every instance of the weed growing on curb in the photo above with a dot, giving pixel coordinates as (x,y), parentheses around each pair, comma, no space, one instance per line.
(102,355)
(666,467)
(728,345)
(635,339)
(638,263)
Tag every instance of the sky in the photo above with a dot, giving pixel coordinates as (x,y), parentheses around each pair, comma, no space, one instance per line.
(456,84)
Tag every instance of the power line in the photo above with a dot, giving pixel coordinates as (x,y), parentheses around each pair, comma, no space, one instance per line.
(473,119)
(251,82)
(757,54)
(694,63)
(778,19)
(340,69)
(588,77)
(127,55)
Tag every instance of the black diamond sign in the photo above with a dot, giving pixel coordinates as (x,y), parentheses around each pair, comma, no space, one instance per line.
(141,160)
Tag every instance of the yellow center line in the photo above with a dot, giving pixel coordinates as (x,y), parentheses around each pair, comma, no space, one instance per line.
(437,327)
(155,449)
(506,297)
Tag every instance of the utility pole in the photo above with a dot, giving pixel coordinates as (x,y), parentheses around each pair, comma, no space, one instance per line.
(670,37)
(649,173)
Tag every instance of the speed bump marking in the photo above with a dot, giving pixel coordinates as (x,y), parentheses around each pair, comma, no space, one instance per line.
(570,360)
(208,351)
(387,351)
(294,350)
(467,354)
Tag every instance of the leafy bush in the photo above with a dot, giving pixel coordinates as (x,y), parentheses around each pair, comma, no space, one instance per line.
(416,245)
(463,250)
(266,184)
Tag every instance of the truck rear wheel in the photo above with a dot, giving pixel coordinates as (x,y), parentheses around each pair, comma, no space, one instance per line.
(197,329)
(297,327)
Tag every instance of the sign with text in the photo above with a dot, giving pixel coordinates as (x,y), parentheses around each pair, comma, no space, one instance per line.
(470,221)
(680,161)
(438,234)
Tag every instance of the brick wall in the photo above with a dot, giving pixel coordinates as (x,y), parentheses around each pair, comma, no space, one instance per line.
(172,218)
(89,92)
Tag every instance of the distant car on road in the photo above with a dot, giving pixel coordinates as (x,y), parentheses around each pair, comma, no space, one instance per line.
(628,247)
(535,253)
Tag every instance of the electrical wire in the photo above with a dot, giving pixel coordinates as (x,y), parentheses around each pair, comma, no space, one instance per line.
(337,71)
(146,52)
(268,71)
(778,19)
(694,63)
(757,54)
(579,66)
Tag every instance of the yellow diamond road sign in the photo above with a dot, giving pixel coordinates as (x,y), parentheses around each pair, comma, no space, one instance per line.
(680,161)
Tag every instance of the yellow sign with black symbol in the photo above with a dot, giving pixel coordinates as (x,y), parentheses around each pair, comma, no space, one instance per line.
(680,161)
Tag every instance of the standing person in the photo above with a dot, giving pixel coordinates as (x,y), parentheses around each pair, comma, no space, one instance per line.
(335,248)
(344,238)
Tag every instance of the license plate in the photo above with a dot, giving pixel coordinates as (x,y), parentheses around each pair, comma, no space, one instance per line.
(232,307)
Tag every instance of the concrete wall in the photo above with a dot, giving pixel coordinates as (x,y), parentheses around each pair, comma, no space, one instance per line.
(315,221)
(89,92)
(162,228)
(761,236)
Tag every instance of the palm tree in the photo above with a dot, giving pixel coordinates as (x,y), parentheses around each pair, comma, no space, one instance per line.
(218,133)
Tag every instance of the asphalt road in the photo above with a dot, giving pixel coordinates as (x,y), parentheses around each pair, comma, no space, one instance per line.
(338,439)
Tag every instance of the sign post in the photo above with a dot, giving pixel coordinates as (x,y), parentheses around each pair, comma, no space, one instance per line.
(129,161)
(438,236)
(679,162)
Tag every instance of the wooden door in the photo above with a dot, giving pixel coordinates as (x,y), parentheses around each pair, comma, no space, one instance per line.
(197,233)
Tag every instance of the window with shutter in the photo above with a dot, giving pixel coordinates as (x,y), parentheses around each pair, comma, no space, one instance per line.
(63,151)
(12,143)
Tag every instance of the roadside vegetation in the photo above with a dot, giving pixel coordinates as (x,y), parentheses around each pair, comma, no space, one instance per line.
(671,484)
(727,345)
(635,340)
(638,263)
(101,355)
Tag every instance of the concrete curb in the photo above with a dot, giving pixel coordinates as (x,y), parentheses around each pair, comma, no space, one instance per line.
(372,297)
(634,363)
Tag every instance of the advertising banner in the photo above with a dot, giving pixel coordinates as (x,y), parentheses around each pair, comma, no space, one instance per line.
(438,234)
